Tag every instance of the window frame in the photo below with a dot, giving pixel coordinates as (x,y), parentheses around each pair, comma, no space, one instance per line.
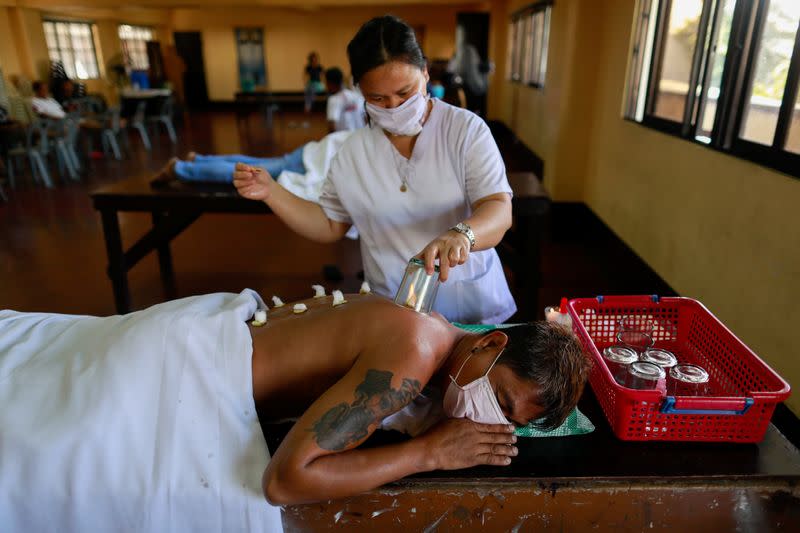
(129,66)
(522,69)
(741,60)
(92,34)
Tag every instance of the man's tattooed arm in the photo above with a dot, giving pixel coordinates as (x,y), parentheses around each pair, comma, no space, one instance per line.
(344,425)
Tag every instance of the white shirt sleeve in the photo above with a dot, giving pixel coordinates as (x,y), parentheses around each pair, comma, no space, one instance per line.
(329,197)
(48,107)
(334,108)
(485,170)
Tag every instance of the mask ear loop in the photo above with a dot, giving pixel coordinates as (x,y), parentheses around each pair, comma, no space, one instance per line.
(495,361)
(471,353)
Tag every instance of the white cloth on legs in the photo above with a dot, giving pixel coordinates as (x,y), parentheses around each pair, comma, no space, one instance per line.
(140,422)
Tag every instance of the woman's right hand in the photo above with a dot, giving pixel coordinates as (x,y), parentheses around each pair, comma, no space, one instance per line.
(461,443)
(253,183)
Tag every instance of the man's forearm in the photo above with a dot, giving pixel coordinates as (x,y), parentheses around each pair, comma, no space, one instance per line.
(303,217)
(345,474)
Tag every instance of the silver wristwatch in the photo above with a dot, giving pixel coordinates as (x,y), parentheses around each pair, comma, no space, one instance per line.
(464,229)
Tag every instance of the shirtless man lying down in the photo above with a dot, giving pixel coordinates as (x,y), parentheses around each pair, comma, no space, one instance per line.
(343,369)
(148,419)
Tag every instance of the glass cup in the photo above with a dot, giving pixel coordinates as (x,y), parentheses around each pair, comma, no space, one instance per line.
(418,289)
(635,333)
(687,380)
(637,341)
(644,376)
(617,359)
(663,358)
(635,323)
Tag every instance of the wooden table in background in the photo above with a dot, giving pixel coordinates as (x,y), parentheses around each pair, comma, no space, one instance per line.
(175,206)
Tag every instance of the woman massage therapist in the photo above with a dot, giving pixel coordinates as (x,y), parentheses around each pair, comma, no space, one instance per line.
(425,179)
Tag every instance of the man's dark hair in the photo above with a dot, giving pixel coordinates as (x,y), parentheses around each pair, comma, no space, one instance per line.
(334,76)
(383,40)
(37,85)
(549,355)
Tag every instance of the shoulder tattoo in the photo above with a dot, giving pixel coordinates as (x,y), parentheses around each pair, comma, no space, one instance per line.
(343,425)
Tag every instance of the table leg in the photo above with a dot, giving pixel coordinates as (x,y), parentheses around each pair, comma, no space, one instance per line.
(164,258)
(117,269)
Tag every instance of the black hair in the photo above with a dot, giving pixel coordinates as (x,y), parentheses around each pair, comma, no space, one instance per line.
(380,41)
(550,356)
(334,76)
(37,85)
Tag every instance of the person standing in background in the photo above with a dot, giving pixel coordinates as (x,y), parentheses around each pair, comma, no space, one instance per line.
(345,109)
(313,80)
(472,71)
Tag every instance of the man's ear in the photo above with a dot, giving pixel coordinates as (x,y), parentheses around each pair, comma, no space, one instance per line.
(495,339)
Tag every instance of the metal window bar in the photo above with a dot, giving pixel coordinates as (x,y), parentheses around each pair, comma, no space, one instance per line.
(637,57)
(751,46)
(662,29)
(545,46)
(698,59)
(708,70)
(789,97)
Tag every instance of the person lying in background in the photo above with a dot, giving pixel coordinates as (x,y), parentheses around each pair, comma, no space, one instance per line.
(45,105)
(312,157)
(345,108)
(161,398)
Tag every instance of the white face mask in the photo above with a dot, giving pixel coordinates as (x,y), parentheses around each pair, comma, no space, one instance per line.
(405,119)
(475,400)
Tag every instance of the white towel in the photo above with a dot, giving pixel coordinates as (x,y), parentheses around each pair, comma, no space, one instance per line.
(141,422)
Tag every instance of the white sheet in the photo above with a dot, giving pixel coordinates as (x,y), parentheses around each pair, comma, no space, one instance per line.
(141,422)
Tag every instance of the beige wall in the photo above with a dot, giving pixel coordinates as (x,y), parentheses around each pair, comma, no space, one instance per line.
(290,34)
(716,228)
(9,57)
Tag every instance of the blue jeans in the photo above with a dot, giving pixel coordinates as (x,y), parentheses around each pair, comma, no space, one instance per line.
(219,168)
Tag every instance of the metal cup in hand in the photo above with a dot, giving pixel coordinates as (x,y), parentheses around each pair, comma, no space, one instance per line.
(418,289)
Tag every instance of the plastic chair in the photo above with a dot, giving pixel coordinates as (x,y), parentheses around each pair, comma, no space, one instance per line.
(164,117)
(37,152)
(138,123)
(112,129)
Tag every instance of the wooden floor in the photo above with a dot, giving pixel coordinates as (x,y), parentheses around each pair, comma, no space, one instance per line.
(52,253)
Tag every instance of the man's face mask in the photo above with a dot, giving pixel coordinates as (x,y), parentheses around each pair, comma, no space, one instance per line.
(475,400)
(405,119)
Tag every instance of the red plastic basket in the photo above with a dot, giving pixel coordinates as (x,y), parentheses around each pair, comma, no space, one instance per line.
(743,389)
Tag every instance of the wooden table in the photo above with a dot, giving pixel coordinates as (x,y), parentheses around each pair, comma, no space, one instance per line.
(175,206)
(592,482)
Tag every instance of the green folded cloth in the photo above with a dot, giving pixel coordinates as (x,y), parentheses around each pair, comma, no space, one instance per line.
(576,422)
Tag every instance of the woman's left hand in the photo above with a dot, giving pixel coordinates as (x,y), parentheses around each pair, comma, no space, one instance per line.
(451,248)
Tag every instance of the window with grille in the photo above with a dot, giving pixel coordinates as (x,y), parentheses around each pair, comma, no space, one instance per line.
(724,73)
(528,37)
(72,43)
(134,45)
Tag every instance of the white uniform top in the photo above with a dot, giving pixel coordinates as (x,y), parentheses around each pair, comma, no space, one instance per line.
(455,162)
(346,110)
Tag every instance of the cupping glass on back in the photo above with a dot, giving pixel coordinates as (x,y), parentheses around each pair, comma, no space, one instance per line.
(405,119)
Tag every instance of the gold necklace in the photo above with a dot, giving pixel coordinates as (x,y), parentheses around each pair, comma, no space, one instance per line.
(403,175)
